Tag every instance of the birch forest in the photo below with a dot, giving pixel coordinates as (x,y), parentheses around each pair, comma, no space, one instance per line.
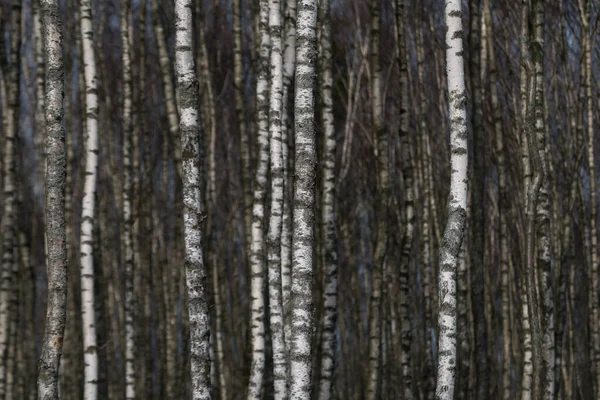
(299,199)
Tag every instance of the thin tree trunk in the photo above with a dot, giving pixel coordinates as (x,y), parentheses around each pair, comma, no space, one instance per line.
(187,83)
(289,61)
(55,204)
(238,83)
(9,216)
(257,245)
(407,174)
(167,83)
(90,349)
(280,374)
(328,333)
(127,238)
(381,154)
(457,201)
(305,169)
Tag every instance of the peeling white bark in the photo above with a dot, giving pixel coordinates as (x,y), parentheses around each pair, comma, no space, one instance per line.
(304,201)
(457,201)
(195,272)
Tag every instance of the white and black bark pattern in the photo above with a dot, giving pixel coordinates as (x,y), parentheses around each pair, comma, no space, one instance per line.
(195,273)
(56,234)
(457,201)
(257,245)
(381,155)
(407,173)
(130,373)
(289,61)
(88,304)
(328,337)
(9,216)
(280,375)
(543,262)
(304,201)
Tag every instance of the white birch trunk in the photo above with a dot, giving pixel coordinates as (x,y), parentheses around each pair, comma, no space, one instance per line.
(257,245)
(289,61)
(280,375)
(188,86)
(55,204)
(90,355)
(457,202)
(328,333)
(304,201)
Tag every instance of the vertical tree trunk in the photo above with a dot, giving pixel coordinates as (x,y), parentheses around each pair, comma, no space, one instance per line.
(381,154)
(188,87)
(457,201)
(289,61)
(543,259)
(88,303)
(304,201)
(407,174)
(55,204)
(9,215)
(238,82)
(257,245)
(127,238)
(328,333)
(280,374)
(587,85)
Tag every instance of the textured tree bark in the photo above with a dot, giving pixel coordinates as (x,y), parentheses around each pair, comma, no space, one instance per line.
(86,250)
(195,272)
(457,201)
(328,229)
(381,154)
(543,260)
(257,245)
(287,135)
(127,237)
(304,201)
(280,373)
(55,204)
(408,176)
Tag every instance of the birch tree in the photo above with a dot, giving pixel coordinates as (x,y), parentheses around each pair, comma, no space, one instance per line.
(257,245)
(188,86)
(130,350)
(10,203)
(86,250)
(304,201)
(55,203)
(328,332)
(280,373)
(457,201)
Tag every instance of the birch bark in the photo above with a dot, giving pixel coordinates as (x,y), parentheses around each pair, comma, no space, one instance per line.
(195,272)
(86,249)
(55,204)
(457,202)
(304,201)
